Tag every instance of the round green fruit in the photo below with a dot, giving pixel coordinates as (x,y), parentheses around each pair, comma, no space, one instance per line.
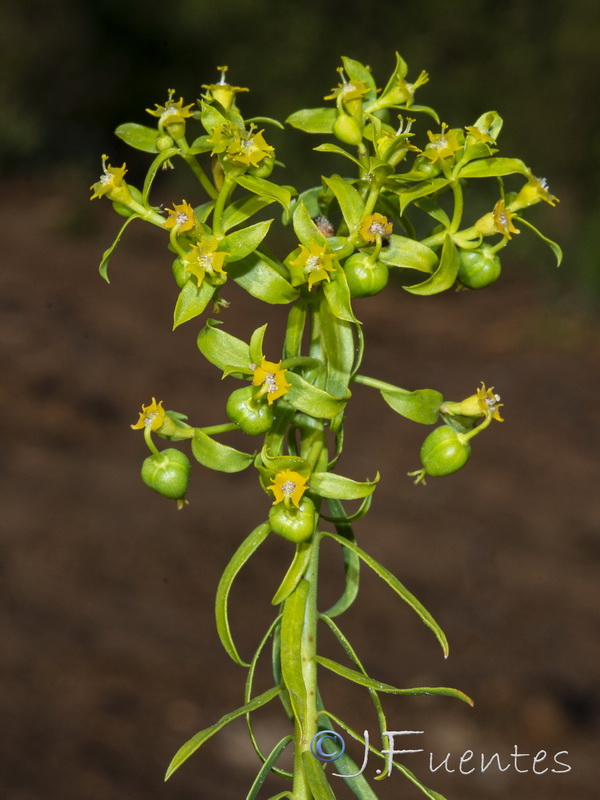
(364,277)
(294,524)
(167,473)
(252,416)
(444,451)
(347,130)
(478,268)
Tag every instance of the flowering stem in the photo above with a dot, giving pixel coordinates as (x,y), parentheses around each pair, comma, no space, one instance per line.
(211,430)
(377,384)
(458,206)
(222,198)
(193,164)
(148,439)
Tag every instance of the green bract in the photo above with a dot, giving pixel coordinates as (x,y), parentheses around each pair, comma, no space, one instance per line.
(397,208)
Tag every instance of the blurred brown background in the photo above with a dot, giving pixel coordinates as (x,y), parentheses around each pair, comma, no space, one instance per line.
(109,656)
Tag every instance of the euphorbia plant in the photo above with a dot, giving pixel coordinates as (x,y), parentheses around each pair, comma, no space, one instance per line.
(345,236)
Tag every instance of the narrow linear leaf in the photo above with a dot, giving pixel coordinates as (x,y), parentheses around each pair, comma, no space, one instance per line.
(337,294)
(239,558)
(103,268)
(348,769)
(265,188)
(238,212)
(316,777)
(358,514)
(153,169)
(267,766)
(338,342)
(351,563)
(291,641)
(424,189)
(295,572)
(256,344)
(398,587)
(196,741)
(334,148)
(363,680)
(556,249)
(493,168)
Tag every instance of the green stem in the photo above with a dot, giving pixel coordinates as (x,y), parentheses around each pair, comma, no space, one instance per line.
(222,198)
(377,384)
(148,439)
(458,206)
(211,430)
(193,164)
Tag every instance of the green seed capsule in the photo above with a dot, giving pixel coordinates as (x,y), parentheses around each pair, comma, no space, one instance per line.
(444,451)
(294,524)
(253,416)
(264,168)
(347,130)
(478,268)
(167,473)
(364,277)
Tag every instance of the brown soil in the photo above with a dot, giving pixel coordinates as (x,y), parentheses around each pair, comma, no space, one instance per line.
(109,651)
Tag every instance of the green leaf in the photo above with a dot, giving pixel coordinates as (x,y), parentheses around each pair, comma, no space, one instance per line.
(422,405)
(423,189)
(398,587)
(493,168)
(103,268)
(334,148)
(431,112)
(338,343)
(266,189)
(444,276)
(192,301)
(304,228)
(238,212)
(256,345)
(408,253)
(160,159)
(203,144)
(363,680)
(224,350)
(491,122)
(267,120)
(196,741)
(250,544)
(430,206)
(214,455)
(313,401)
(292,622)
(556,249)
(211,117)
(351,203)
(266,768)
(358,72)
(351,563)
(259,276)
(240,244)
(294,574)
(328,484)
(315,775)
(139,136)
(338,297)
(313,120)
(278,463)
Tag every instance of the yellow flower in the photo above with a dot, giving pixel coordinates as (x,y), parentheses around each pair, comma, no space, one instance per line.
(373,226)
(151,416)
(222,91)
(203,258)
(111,179)
(246,147)
(288,486)
(181,215)
(171,112)
(349,90)
(442,145)
(489,402)
(272,378)
(534,191)
(481,404)
(503,220)
(480,135)
(316,263)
